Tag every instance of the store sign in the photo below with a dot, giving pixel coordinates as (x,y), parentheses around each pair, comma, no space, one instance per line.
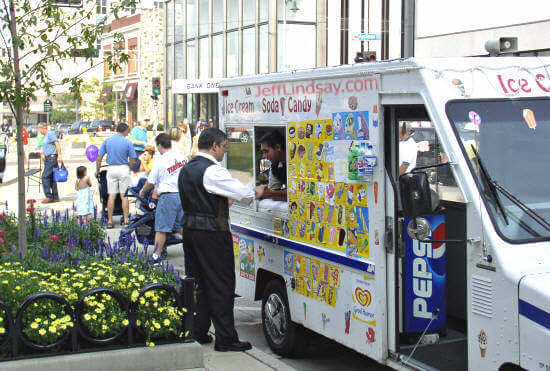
(119,86)
(189,86)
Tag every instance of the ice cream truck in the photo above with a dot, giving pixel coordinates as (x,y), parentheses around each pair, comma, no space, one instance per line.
(416,226)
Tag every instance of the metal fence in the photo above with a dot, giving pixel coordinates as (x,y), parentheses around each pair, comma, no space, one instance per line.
(184,298)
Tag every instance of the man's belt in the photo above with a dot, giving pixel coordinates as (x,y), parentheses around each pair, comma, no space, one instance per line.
(50,156)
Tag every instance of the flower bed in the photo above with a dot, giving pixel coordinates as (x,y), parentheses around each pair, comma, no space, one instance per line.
(94,290)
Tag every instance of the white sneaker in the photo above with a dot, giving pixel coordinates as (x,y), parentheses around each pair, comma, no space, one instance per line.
(178,236)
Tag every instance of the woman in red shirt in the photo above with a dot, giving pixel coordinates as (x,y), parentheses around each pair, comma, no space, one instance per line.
(25,145)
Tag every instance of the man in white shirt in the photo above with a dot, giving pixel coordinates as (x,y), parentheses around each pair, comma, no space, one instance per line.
(164,176)
(206,189)
(407,149)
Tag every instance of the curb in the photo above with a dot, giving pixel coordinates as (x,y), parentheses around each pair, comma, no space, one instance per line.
(180,356)
(268,360)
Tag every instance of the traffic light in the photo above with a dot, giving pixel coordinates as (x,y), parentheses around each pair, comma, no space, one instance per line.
(366,56)
(156,85)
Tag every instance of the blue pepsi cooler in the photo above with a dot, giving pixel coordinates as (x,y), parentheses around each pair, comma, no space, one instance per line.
(425,278)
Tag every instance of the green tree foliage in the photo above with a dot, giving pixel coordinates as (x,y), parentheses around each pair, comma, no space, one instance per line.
(38,35)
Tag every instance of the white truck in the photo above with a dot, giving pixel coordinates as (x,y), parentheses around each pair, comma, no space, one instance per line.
(445,266)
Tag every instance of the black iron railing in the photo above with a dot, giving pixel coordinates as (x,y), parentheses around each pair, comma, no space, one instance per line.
(183,298)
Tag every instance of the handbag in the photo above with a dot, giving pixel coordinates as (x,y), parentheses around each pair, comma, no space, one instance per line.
(60,174)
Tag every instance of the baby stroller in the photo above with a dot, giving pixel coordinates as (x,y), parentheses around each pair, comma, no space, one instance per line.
(143,222)
(104,196)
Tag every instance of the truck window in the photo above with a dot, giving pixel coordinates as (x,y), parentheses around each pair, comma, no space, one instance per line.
(271,170)
(429,152)
(240,155)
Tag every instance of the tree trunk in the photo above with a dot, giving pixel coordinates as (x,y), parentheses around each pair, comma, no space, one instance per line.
(21,214)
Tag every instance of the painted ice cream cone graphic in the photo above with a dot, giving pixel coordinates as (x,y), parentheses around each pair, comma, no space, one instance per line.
(318,103)
(482,341)
(529,117)
(282,102)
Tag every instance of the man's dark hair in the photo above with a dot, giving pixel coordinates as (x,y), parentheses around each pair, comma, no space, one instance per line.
(210,136)
(164,140)
(272,138)
(121,128)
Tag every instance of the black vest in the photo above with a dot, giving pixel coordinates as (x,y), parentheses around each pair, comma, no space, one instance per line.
(201,210)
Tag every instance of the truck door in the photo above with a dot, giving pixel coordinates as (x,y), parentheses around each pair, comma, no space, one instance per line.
(428,294)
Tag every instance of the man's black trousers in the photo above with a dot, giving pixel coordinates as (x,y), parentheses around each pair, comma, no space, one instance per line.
(209,259)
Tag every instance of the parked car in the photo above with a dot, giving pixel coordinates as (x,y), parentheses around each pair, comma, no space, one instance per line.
(94,127)
(32,130)
(84,125)
(62,129)
(107,125)
(75,127)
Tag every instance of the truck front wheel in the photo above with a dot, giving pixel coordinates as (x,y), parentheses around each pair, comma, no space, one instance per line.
(284,337)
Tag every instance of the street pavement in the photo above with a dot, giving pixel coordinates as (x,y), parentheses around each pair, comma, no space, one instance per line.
(322,353)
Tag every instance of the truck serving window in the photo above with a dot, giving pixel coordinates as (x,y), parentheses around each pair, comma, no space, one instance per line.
(506,144)
(240,153)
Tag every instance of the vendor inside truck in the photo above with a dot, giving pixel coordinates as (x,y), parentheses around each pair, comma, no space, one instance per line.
(272,145)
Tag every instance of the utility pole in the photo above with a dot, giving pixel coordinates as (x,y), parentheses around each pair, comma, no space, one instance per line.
(384,54)
(408,28)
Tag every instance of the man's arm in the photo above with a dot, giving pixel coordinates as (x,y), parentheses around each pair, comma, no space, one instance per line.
(58,148)
(219,181)
(264,192)
(98,165)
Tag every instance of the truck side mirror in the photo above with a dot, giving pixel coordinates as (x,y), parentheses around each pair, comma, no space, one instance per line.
(416,196)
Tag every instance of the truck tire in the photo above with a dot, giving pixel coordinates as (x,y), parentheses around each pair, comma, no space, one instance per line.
(284,337)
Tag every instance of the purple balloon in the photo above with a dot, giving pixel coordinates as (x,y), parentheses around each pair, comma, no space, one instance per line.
(92,152)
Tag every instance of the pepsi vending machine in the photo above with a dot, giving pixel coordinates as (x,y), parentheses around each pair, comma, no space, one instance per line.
(425,279)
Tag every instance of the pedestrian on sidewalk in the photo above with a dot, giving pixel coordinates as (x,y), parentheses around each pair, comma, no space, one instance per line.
(51,155)
(206,191)
(25,147)
(164,177)
(139,140)
(186,140)
(121,156)
(84,200)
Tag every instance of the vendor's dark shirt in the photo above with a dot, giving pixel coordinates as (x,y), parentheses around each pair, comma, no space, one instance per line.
(279,171)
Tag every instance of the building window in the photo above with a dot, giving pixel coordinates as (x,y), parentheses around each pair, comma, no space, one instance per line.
(106,70)
(191,19)
(264,10)
(297,46)
(204,66)
(179,107)
(249,51)
(232,14)
(232,54)
(170,22)
(133,55)
(264,49)
(170,64)
(217,16)
(169,106)
(191,70)
(179,21)
(101,6)
(249,12)
(217,56)
(204,18)
(179,74)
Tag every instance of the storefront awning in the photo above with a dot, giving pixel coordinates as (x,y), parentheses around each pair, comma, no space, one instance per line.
(130,91)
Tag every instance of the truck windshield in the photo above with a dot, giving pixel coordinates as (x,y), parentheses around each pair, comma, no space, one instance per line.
(506,142)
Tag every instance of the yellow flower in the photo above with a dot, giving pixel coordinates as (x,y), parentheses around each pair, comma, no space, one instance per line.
(135,295)
(38,320)
(87,317)
(141,277)
(150,344)
(52,329)
(41,331)
(34,325)
(5,282)
(166,322)
(2,331)
(125,322)
(18,287)
(52,316)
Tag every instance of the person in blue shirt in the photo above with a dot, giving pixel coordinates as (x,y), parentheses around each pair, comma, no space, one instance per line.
(139,140)
(121,156)
(51,154)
